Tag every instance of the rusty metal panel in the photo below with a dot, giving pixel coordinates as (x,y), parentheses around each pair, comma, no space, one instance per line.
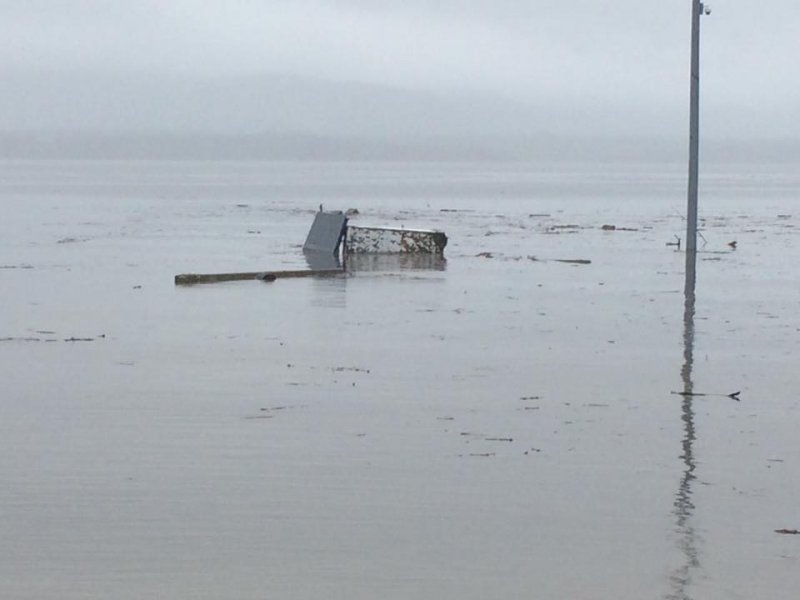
(391,240)
(326,232)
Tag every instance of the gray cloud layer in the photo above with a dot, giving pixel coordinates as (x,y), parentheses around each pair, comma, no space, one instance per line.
(375,65)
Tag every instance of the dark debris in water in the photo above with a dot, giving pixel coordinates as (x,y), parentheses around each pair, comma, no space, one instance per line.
(574,261)
(40,339)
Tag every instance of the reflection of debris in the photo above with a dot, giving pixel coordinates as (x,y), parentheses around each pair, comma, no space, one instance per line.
(676,243)
(485,255)
(386,263)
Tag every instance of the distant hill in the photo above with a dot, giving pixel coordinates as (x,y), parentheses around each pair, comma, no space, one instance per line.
(91,114)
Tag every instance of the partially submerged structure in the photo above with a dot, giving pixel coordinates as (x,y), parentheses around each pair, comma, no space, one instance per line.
(394,240)
(331,230)
(331,240)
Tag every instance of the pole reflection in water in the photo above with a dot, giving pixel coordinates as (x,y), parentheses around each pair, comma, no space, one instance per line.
(681,578)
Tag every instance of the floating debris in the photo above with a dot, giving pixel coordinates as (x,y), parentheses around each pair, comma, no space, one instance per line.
(352,369)
(615,228)
(732,396)
(38,339)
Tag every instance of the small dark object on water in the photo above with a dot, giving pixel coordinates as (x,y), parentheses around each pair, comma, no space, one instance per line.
(268,277)
(732,244)
(788,531)
(574,261)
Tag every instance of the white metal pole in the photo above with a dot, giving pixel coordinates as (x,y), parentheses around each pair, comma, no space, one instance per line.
(694,129)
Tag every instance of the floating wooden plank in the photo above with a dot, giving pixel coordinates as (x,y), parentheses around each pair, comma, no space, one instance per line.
(194,278)
(394,240)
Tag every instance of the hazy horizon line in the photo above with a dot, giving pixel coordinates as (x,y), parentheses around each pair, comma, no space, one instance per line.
(86,144)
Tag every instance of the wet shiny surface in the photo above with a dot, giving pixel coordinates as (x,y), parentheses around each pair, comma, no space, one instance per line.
(498,425)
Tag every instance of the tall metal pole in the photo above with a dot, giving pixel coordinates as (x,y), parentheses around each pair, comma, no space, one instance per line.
(694,130)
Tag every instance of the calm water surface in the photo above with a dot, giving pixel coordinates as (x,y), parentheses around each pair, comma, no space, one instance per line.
(500,426)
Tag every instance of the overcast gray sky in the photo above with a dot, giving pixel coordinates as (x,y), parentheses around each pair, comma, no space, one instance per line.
(608,66)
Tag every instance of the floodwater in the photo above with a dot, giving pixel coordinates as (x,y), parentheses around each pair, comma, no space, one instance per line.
(502,425)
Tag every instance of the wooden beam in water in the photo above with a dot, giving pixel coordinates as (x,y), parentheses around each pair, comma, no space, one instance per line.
(194,278)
